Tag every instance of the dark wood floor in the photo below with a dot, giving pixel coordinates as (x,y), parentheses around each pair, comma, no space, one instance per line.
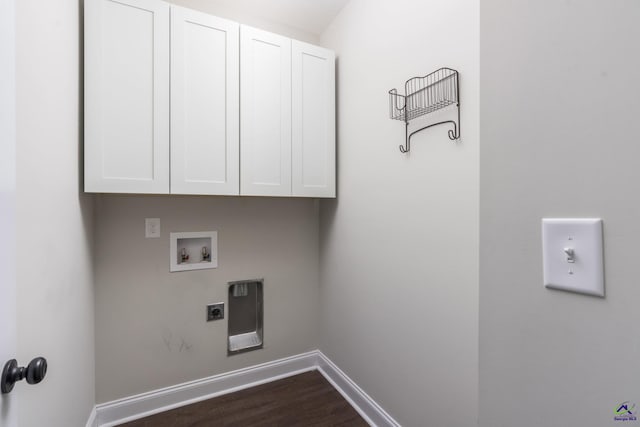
(302,400)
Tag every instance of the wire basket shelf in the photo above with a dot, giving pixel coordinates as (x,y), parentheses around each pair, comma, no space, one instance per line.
(424,95)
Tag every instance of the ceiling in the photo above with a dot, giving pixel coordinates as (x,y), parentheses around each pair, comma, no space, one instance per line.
(312,16)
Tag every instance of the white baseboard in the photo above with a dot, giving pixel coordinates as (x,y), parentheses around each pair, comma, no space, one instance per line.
(361,402)
(131,408)
(93,419)
(145,404)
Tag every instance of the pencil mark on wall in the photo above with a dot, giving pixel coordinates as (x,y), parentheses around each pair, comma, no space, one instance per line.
(172,344)
(184,346)
(166,338)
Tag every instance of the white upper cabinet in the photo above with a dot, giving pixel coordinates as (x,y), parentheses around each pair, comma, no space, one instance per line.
(287,116)
(313,131)
(265,111)
(181,102)
(204,104)
(126,96)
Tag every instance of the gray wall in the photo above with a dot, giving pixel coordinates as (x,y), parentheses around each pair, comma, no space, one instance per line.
(399,269)
(146,316)
(54,220)
(560,103)
(151,328)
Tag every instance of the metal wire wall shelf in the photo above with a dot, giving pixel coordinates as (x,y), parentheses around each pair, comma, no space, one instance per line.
(424,95)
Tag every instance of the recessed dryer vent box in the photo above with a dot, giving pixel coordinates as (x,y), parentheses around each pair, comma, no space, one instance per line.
(246,316)
(193,250)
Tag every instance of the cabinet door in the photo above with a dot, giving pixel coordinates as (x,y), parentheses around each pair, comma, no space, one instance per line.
(265,104)
(313,113)
(204,104)
(126,96)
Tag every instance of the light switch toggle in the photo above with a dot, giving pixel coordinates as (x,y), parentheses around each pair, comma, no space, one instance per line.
(571,256)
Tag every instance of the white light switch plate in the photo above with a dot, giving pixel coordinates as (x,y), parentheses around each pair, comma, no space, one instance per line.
(580,240)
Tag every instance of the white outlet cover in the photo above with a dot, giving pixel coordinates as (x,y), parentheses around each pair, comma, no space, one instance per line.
(583,237)
(151,227)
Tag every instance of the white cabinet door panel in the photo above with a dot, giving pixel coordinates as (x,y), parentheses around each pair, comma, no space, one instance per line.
(204,104)
(313,112)
(126,96)
(265,81)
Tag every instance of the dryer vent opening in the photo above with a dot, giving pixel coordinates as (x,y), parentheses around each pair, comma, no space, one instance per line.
(245,316)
